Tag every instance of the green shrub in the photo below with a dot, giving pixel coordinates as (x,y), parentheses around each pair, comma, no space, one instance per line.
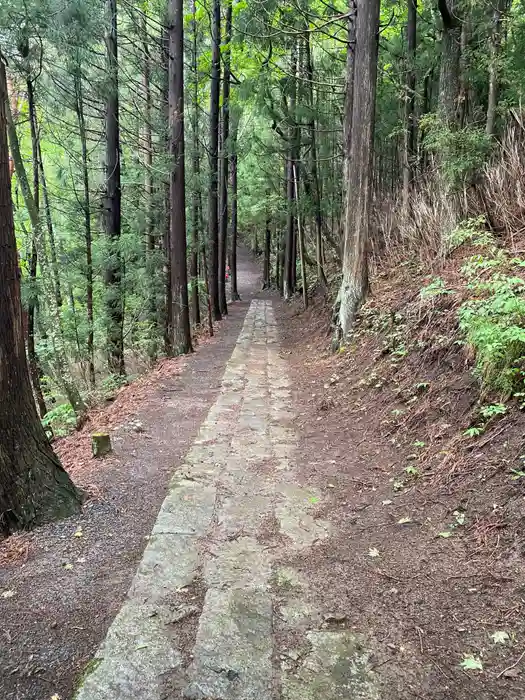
(61,420)
(461,152)
(494,325)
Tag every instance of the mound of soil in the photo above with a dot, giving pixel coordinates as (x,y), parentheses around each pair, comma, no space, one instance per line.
(427,551)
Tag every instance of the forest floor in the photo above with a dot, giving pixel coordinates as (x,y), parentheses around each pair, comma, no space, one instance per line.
(325,535)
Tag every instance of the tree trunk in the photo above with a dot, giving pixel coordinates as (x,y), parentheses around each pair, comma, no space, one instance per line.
(316,190)
(179,275)
(113,270)
(290,250)
(409,150)
(267,282)
(86,207)
(148,191)
(34,362)
(195,193)
(224,165)
(166,245)
(234,213)
(354,285)
(34,488)
(213,223)
(301,242)
(449,78)
(501,6)
(207,289)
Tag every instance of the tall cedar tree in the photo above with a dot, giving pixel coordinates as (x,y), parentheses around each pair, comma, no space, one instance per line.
(113,270)
(354,285)
(213,222)
(224,166)
(34,488)
(179,276)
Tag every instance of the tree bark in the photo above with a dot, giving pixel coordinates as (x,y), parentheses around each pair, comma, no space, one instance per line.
(34,362)
(300,235)
(179,275)
(449,78)
(409,150)
(354,285)
(290,249)
(86,207)
(316,189)
(234,292)
(224,164)
(113,270)
(195,193)
(267,282)
(34,488)
(166,244)
(213,223)
(501,6)
(148,191)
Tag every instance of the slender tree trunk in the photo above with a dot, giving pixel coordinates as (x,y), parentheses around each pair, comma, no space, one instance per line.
(224,165)
(499,9)
(34,488)
(354,285)
(113,270)
(213,223)
(86,207)
(147,145)
(166,244)
(207,289)
(301,242)
(179,275)
(289,251)
(409,151)
(50,231)
(195,193)
(34,362)
(267,282)
(316,191)
(449,79)
(234,213)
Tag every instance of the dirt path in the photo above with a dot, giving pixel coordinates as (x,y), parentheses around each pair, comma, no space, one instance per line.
(58,605)
(212,614)
(283,564)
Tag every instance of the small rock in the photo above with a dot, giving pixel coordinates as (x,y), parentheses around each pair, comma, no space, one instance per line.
(511,673)
(334,618)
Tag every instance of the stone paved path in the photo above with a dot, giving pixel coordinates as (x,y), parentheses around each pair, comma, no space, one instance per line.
(210,614)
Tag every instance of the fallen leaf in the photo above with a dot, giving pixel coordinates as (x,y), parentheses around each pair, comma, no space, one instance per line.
(68,567)
(404,521)
(387,503)
(471,663)
(445,534)
(331,486)
(500,637)
(373,552)
(8,594)
(55,697)
(79,533)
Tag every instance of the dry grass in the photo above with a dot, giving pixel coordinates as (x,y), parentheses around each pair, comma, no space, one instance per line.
(419,230)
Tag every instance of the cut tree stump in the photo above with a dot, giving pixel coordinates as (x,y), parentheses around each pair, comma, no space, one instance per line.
(100,444)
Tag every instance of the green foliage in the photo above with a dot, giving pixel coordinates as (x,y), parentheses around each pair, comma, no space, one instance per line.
(436,287)
(461,152)
(62,420)
(471,231)
(494,325)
